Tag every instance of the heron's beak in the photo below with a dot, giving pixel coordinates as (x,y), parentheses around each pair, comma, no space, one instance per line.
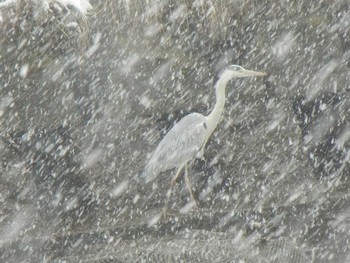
(250,73)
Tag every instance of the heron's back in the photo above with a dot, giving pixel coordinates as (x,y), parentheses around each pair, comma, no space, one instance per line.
(179,145)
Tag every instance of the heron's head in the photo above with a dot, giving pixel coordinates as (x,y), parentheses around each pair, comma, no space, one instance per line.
(235,71)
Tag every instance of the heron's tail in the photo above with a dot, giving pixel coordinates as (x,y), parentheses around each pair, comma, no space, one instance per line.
(147,175)
(142,176)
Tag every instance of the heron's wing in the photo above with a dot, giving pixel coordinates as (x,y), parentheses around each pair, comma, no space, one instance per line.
(179,145)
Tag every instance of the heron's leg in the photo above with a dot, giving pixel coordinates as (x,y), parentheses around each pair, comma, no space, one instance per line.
(172,184)
(188,184)
(200,154)
(178,172)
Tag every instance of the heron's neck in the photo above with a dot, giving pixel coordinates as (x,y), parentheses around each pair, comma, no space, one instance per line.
(214,117)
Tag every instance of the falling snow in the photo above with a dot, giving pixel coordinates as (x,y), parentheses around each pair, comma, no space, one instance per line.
(88,89)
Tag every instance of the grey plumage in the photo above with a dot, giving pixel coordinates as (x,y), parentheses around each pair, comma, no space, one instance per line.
(178,146)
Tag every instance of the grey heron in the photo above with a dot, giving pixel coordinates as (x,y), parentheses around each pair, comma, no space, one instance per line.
(187,138)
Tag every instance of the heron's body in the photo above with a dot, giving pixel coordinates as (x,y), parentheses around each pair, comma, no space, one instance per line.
(187,139)
(178,146)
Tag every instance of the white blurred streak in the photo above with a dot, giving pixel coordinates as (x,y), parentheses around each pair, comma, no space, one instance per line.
(198,3)
(161,73)
(23,72)
(284,45)
(178,13)
(82,6)
(342,221)
(7,2)
(187,207)
(319,131)
(342,25)
(153,30)
(315,87)
(119,190)
(276,121)
(95,46)
(343,138)
(128,64)
(145,101)
(154,219)
(92,158)
(5,102)
(155,8)
(136,199)
(71,204)
(16,226)
(296,194)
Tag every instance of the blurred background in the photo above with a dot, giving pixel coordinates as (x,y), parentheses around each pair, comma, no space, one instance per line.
(89,88)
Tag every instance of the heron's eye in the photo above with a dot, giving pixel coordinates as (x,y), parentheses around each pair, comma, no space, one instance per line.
(205,125)
(235,68)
